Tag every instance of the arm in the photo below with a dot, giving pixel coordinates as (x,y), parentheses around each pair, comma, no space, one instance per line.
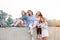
(46,23)
(24,17)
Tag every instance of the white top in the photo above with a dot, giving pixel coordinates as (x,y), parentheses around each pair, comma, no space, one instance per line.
(44,29)
(43,25)
(36,20)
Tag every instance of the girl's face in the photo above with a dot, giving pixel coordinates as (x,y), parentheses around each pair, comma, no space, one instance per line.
(42,20)
(29,13)
(38,13)
(22,13)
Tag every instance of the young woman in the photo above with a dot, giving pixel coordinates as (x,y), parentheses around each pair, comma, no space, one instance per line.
(30,21)
(22,20)
(38,29)
(44,26)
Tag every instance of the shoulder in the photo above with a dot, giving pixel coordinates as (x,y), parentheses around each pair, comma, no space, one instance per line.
(25,16)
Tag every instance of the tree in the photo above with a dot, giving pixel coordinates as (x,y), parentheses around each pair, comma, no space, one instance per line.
(3,16)
(9,20)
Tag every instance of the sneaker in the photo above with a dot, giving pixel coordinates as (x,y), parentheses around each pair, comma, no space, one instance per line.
(32,38)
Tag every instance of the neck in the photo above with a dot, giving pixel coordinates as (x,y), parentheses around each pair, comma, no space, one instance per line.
(30,15)
(38,16)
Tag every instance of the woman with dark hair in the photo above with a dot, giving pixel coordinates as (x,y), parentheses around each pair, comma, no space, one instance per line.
(30,17)
(30,22)
(30,12)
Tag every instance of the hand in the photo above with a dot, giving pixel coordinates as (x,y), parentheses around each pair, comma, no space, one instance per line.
(39,26)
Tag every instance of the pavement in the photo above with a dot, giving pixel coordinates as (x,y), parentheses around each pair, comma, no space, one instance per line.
(19,33)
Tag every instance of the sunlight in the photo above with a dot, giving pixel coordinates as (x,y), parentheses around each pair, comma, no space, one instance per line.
(49,8)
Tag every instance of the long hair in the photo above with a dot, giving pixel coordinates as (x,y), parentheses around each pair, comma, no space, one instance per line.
(40,14)
(24,12)
(30,11)
(43,20)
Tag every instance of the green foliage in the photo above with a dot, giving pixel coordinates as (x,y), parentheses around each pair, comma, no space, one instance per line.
(3,16)
(9,21)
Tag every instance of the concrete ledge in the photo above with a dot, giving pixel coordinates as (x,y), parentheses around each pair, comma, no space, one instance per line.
(19,33)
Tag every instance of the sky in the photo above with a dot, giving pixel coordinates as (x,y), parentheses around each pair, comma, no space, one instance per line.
(49,8)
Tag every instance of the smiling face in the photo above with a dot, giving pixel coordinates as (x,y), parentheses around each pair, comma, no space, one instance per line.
(42,20)
(30,12)
(23,13)
(39,14)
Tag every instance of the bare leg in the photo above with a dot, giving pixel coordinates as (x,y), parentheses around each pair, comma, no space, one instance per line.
(38,35)
(44,38)
(19,22)
(22,24)
(31,31)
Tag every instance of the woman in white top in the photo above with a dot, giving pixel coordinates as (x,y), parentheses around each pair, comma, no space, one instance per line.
(44,27)
(37,18)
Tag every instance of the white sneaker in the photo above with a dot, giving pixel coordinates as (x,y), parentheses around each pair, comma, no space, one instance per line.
(32,38)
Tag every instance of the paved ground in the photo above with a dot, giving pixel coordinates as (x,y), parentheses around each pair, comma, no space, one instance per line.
(15,33)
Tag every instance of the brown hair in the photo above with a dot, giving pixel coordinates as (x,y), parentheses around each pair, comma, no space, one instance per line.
(41,21)
(30,11)
(40,14)
(24,12)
